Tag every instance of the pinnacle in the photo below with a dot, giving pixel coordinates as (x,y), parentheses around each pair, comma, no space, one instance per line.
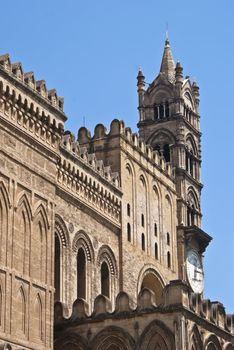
(168,64)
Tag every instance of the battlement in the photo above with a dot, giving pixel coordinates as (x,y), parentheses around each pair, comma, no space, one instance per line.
(93,182)
(118,129)
(176,297)
(81,154)
(23,89)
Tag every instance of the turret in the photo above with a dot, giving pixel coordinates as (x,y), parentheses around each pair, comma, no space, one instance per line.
(141,91)
(178,78)
(196,93)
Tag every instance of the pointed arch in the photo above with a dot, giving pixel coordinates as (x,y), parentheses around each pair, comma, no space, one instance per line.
(157,334)
(21,235)
(187,93)
(22,199)
(191,144)
(193,207)
(113,337)
(4,219)
(38,317)
(212,343)
(192,197)
(161,136)
(40,209)
(130,167)
(20,315)
(195,339)
(38,259)
(5,195)
(70,341)
(61,259)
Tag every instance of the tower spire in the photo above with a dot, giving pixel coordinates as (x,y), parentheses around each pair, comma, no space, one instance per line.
(168,64)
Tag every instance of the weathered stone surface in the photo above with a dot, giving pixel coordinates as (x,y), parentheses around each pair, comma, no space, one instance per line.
(101,225)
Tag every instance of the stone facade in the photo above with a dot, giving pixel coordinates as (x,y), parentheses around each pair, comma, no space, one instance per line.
(103,226)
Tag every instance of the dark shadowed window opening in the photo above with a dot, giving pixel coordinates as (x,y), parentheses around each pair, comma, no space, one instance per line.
(156,251)
(143,241)
(168,260)
(57,268)
(105,280)
(156,116)
(155,229)
(142,220)
(128,210)
(166,153)
(129,232)
(167,111)
(81,274)
(161,111)
(168,238)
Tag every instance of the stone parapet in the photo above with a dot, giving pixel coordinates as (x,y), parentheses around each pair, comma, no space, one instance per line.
(176,298)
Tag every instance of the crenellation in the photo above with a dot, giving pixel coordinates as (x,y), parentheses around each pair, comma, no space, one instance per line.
(106,225)
(146,304)
(35,120)
(117,129)
(74,179)
(81,153)
(27,80)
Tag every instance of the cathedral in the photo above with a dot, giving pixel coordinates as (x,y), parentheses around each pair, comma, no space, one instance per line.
(101,245)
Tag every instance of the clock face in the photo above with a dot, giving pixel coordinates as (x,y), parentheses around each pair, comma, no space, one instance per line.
(195,272)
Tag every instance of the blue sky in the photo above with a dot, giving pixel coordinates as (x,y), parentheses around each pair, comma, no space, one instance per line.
(90,52)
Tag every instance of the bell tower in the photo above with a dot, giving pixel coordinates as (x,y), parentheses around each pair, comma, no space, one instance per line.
(170,123)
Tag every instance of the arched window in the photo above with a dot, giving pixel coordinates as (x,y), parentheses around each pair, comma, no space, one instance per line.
(155,229)
(168,238)
(57,270)
(128,210)
(161,111)
(191,159)
(129,232)
(81,274)
(156,251)
(156,114)
(166,152)
(192,215)
(168,260)
(105,280)
(143,241)
(142,220)
(167,111)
